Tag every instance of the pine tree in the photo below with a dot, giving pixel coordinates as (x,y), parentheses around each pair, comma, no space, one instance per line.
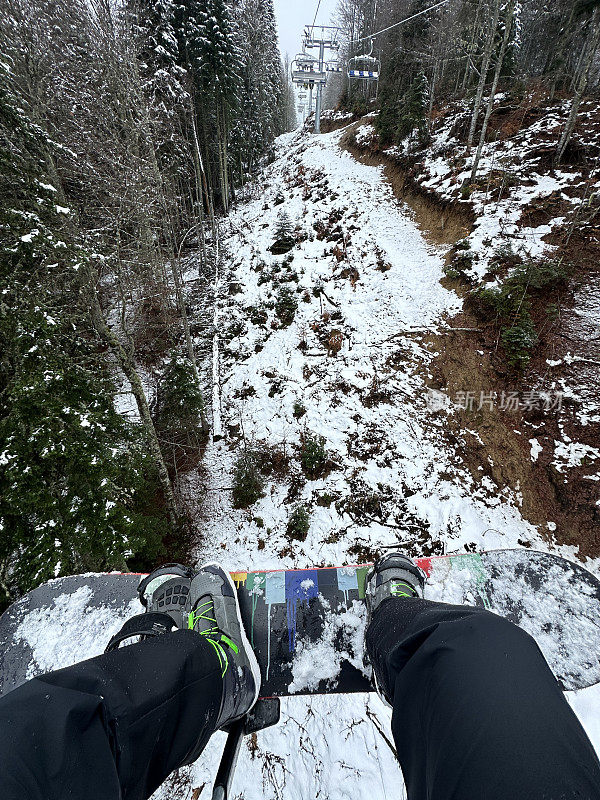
(178,410)
(284,228)
(413,112)
(70,465)
(260,113)
(207,45)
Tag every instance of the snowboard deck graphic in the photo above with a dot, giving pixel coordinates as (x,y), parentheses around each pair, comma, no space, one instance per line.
(307,626)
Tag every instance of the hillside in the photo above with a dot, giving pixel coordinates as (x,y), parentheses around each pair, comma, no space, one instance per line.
(329,390)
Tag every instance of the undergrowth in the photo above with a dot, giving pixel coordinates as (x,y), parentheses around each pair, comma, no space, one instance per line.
(313,455)
(248,482)
(510,304)
(298,523)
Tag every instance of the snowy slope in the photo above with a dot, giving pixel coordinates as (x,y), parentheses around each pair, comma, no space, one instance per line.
(370,402)
(363,270)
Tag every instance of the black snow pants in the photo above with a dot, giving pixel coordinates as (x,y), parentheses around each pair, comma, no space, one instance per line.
(477,714)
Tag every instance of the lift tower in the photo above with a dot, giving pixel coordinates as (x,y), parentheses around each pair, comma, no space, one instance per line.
(321,37)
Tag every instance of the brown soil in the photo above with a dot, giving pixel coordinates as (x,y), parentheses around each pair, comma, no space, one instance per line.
(329,125)
(470,360)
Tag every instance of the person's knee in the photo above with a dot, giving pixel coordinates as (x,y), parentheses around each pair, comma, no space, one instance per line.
(489,637)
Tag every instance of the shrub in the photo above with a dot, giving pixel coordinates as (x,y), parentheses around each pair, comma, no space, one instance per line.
(450,272)
(248,482)
(510,303)
(360,107)
(299,410)
(286,306)
(540,274)
(298,523)
(258,315)
(313,455)
(518,340)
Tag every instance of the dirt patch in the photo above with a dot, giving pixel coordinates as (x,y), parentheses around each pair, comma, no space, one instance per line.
(329,125)
(542,210)
(500,448)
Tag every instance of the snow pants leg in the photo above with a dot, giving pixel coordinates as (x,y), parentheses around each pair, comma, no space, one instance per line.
(477,713)
(113,727)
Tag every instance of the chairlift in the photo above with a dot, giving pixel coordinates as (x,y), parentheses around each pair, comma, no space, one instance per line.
(364,67)
(334,66)
(305,71)
(326,35)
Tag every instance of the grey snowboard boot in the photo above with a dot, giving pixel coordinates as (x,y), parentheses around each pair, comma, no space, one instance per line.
(167,591)
(176,596)
(165,594)
(393,576)
(215,614)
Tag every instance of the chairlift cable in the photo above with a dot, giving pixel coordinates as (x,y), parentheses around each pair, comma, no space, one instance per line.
(316,12)
(402,21)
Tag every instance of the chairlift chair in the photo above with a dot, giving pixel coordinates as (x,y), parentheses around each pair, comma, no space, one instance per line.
(305,70)
(333,66)
(364,67)
(328,35)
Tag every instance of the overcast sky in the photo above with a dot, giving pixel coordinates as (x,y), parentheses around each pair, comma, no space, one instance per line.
(293,15)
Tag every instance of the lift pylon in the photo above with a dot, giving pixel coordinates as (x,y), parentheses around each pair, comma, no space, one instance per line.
(323,37)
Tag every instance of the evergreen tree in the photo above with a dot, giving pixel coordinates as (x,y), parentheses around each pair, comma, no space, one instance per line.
(70,466)
(260,115)
(179,402)
(284,228)
(207,43)
(413,112)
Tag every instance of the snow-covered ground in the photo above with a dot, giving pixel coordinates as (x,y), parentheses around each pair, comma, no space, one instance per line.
(355,358)
(370,402)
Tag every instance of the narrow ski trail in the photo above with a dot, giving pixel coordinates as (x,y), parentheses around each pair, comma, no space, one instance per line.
(366,283)
(354,361)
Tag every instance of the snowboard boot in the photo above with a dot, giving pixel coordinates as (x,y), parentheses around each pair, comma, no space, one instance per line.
(165,594)
(393,576)
(205,601)
(215,614)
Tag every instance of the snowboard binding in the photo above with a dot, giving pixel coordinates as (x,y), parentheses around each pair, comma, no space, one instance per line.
(174,597)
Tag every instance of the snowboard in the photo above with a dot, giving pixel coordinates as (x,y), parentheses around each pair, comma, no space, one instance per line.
(307,626)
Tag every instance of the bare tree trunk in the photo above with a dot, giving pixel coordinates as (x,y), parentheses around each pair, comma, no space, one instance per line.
(127,365)
(581,87)
(222,146)
(485,66)
(510,13)
(470,53)
(200,171)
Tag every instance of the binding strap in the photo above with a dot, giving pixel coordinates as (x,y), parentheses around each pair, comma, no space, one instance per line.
(152,623)
(174,569)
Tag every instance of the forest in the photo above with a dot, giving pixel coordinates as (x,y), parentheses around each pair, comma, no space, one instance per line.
(126,132)
(469,49)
